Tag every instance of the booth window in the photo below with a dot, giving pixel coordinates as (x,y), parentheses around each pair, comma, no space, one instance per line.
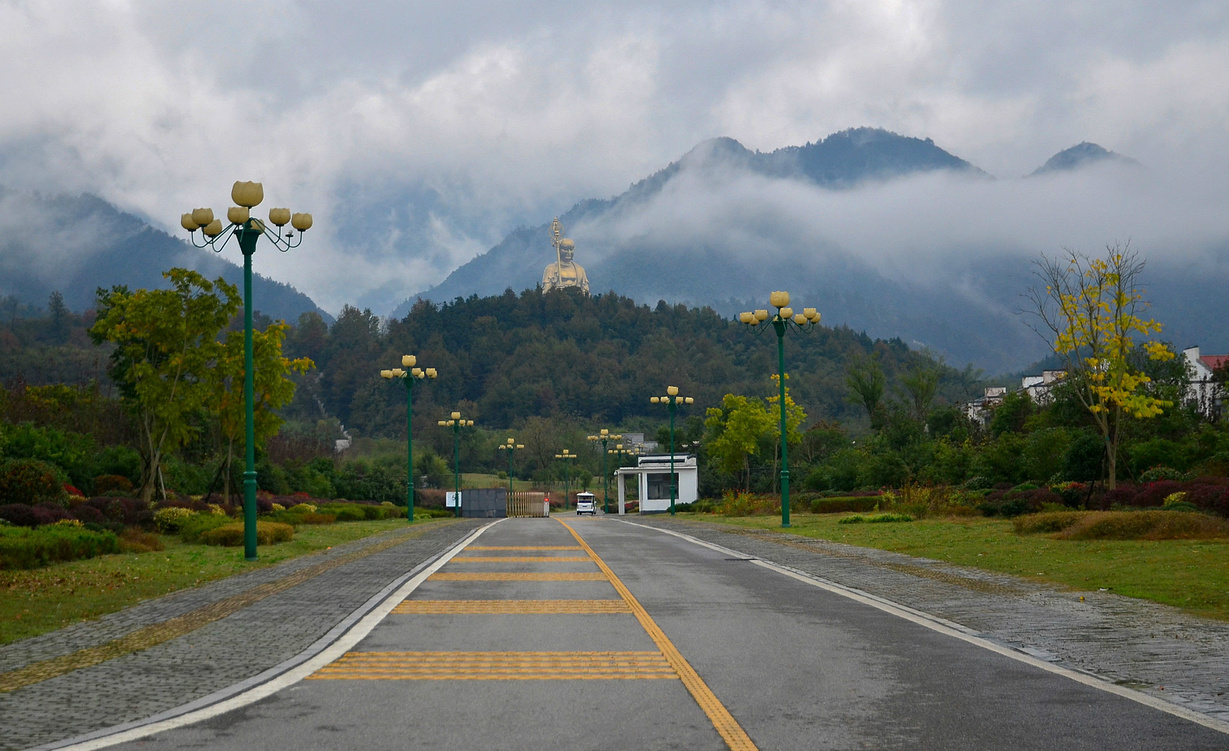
(659,484)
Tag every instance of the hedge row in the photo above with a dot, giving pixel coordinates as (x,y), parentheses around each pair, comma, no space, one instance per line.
(21,547)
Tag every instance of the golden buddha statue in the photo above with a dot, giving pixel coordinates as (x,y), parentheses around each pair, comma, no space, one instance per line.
(565,272)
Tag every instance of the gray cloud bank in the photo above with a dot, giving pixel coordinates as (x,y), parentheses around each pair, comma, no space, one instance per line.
(419,134)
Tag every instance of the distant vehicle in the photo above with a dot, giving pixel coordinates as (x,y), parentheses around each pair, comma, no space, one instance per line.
(586,504)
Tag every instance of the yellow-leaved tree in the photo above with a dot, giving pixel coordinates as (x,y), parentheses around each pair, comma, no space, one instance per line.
(1090,310)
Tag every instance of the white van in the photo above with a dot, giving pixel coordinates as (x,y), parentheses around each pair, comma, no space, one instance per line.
(586,504)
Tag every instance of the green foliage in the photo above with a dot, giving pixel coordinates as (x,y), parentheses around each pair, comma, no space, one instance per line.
(191,529)
(734,433)
(29,482)
(1145,525)
(841,504)
(23,548)
(1046,523)
(875,519)
(367,481)
(172,518)
(231,535)
(74,453)
(166,352)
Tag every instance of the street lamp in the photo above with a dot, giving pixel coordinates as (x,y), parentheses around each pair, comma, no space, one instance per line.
(511,446)
(247,231)
(455,422)
(604,437)
(783,320)
(672,400)
(565,457)
(409,377)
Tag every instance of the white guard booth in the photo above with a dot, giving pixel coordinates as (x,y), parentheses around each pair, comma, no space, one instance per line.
(652,473)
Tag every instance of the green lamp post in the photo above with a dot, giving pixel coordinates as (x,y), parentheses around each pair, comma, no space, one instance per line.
(455,422)
(672,400)
(247,230)
(604,437)
(566,457)
(511,446)
(409,378)
(781,322)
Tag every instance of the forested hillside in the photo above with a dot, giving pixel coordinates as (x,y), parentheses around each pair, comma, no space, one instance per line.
(595,359)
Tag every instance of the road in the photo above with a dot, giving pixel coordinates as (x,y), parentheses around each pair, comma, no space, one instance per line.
(572,633)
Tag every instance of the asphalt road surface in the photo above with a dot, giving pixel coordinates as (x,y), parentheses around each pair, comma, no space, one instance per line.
(599,634)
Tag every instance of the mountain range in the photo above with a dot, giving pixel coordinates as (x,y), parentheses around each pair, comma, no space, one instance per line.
(75,244)
(883,233)
(724,225)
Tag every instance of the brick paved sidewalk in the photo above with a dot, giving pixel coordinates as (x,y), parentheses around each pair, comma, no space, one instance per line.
(167,652)
(1152,648)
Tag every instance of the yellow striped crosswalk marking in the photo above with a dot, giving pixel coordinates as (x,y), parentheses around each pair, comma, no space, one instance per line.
(523,547)
(519,577)
(498,666)
(510,607)
(520,559)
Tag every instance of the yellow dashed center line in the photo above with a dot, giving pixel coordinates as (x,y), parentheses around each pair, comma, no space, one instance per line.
(519,577)
(733,734)
(511,607)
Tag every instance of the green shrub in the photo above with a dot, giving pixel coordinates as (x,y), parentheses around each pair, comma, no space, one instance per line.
(1161,472)
(106,484)
(1047,523)
(231,535)
(875,519)
(748,504)
(170,519)
(191,529)
(30,481)
(843,504)
(346,512)
(21,547)
(1146,525)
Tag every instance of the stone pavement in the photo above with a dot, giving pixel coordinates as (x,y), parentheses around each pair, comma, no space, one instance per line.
(1151,648)
(168,652)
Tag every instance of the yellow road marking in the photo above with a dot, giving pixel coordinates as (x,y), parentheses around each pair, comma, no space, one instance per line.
(498,666)
(733,734)
(520,558)
(523,547)
(522,577)
(510,607)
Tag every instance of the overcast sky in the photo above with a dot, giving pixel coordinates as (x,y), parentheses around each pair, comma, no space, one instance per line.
(509,113)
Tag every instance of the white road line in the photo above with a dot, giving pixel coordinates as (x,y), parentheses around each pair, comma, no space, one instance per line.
(961,632)
(287,678)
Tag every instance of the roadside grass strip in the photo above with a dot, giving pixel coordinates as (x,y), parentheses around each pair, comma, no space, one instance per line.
(511,607)
(520,577)
(731,732)
(521,559)
(157,633)
(499,666)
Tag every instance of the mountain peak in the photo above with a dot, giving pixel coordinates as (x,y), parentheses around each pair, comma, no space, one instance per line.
(1081,155)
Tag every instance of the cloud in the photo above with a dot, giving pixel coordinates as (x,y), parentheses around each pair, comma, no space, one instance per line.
(499,114)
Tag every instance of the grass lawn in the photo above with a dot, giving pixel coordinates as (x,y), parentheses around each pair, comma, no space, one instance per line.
(1190,574)
(36,601)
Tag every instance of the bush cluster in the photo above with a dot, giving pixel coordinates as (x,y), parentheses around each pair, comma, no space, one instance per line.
(30,481)
(231,534)
(32,548)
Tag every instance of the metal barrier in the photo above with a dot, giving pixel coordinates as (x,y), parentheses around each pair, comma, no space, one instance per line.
(527,503)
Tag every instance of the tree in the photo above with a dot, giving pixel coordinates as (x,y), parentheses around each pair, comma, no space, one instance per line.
(1089,310)
(734,432)
(921,384)
(166,345)
(272,388)
(866,383)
